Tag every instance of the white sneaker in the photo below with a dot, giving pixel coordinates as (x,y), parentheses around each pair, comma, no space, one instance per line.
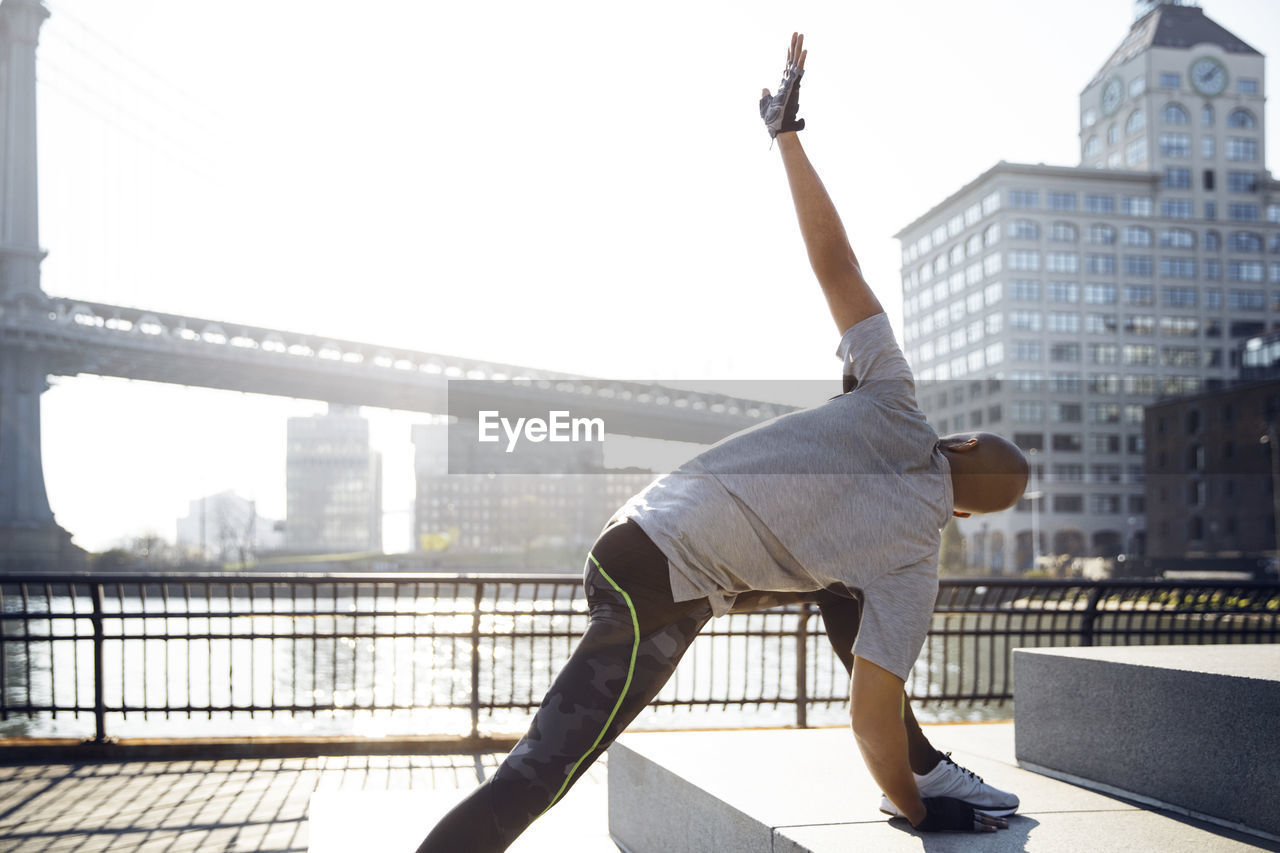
(949,779)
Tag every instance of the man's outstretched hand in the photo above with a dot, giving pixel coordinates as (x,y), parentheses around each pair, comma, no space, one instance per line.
(779,111)
(947,814)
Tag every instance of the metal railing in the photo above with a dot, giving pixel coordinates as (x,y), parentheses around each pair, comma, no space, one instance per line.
(99,655)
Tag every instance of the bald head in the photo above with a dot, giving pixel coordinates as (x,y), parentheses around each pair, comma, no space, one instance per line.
(988,472)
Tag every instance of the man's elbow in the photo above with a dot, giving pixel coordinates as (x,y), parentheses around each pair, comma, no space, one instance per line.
(866,721)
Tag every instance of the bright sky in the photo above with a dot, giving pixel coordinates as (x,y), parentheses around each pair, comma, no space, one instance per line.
(563,185)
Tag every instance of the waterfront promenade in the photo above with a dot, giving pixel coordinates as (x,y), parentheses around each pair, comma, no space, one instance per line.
(383,803)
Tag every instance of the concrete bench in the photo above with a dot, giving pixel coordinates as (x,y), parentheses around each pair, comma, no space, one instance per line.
(1192,728)
(808,792)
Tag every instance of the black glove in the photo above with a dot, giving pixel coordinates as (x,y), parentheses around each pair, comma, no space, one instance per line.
(946,814)
(779,110)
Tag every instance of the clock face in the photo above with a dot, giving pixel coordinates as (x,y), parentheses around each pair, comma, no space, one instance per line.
(1208,76)
(1112,95)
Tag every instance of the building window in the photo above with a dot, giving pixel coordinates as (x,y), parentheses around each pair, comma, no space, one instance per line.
(1100,264)
(1139,354)
(1179,327)
(1100,203)
(1177,178)
(1176,208)
(1178,267)
(1247,86)
(1067,442)
(1210,210)
(1170,80)
(1060,321)
(1242,182)
(1104,353)
(1136,122)
(1026,411)
(1091,146)
(1063,232)
(1068,503)
(1029,440)
(1025,320)
(1245,300)
(1024,198)
(1140,324)
(1113,134)
(1064,352)
(1103,234)
(1066,413)
(1175,145)
(1063,291)
(1241,118)
(1100,324)
(1024,290)
(1208,179)
(1177,238)
(1137,294)
(1062,201)
(1024,229)
(1179,297)
(1179,356)
(1207,148)
(1206,116)
(1135,152)
(1103,442)
(1136,206)
(1068,473)
(1242,212)
(1138,265)
(1027,351)
(1068,262)
(1241,149)
(1104,413)
(1137,235)
(1175,114)
(1024,259)
(991,235)
(1244,241)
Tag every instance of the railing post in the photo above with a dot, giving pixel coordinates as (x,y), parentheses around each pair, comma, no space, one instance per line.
(475,660)
(1090,614)
(99,668)
(802,669)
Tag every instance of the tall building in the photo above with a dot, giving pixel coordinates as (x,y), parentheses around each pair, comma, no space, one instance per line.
(334,484)
(1212,470)
(1051,303)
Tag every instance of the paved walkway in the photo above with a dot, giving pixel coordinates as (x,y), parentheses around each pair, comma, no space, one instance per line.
(386,804)
(262,805)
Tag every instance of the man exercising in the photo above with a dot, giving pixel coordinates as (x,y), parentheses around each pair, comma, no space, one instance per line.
(840,504)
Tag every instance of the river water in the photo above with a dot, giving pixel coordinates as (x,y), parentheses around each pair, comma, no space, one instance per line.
(361,666)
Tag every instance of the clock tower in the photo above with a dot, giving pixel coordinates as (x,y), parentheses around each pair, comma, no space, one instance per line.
(1171,95)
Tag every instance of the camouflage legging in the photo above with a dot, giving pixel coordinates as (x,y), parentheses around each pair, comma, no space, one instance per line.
(636,636)
(633,642)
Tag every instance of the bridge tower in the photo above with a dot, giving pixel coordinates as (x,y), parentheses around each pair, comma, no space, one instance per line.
(29,536)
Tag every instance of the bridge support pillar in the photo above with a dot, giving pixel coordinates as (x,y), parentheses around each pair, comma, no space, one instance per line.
(29,536)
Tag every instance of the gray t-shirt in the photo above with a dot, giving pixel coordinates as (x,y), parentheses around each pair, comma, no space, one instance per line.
(847,495)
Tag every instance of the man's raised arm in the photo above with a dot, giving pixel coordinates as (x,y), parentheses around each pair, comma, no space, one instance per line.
(834,263)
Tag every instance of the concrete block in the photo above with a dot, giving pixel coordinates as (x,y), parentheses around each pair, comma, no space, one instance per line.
(1192,728)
